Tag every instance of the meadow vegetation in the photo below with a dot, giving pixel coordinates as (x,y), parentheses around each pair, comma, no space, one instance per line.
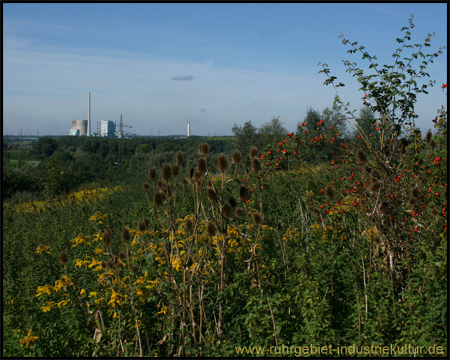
(316,237)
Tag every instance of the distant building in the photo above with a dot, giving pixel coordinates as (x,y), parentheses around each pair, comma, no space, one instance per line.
(107,128)
(79,128)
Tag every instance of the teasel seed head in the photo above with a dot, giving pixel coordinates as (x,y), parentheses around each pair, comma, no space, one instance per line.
(160,196)
(126,235)
(256,166)
(152,173)
(376,186)
(63,258)
(146,221)
(415,192)
(184,182)
(243,193)
(135,268)
(412,201)
(107,237)
(253,152)
(211,194)
(141,225)
(361,156)
(166,172)
(175,170)
(257,218)
(189,224)
(238,212)
(201,165)
(375,175)
(145,186)
(222,163)
(160,183)
(203,149)
(232,201)
(191,173)
(237,157)
(316,212)
(329,192)
(227,211)
(121,255)
(434,212)
(384,207)
(180,157)
(196,176)
(210,229)
(166,189)
(428,136)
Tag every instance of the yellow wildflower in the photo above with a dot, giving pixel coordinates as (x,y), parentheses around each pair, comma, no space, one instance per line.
(48,306)
(29,339)
(115,298)
(42,248)
(63,303)
(163,310)
(47,289)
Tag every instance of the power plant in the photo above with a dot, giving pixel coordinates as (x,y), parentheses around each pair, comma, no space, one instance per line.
(79,128)
(105,128)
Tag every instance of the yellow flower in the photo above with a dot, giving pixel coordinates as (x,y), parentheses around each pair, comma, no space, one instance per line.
(63,283)
(163,310)
(95,263)
(47,289)
(98,251)
(115,315)
(82,291)
(42,248)
(78,262)
(63,303)
(29,339)
(48,306)
(115,298)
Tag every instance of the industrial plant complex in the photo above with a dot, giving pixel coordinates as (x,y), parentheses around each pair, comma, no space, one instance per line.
(105,128)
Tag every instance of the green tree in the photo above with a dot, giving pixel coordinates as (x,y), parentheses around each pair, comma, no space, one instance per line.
(334,118)
(246,136)
(143,148)
(272,131)
(45,147)
(365,124)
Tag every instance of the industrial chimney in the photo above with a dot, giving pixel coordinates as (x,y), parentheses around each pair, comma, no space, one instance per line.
(89,115)
(189,129)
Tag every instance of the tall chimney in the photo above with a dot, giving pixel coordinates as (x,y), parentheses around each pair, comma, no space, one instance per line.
(189,129)
(89,115)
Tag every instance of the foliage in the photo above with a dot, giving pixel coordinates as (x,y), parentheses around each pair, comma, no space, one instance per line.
(207,254)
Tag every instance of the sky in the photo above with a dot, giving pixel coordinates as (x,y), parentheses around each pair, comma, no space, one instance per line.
(214,65)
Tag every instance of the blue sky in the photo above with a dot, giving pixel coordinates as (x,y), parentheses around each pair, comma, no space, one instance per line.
(213,65)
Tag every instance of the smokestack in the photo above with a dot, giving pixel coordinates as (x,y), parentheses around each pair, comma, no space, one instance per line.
(189,129)
(89,115)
